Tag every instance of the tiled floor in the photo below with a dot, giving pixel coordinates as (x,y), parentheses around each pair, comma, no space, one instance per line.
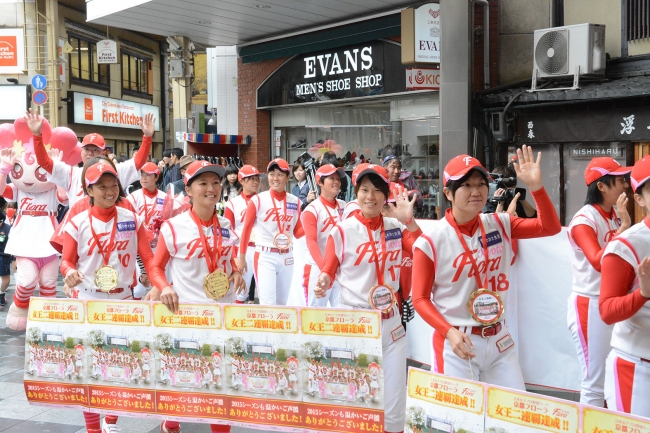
(18,416)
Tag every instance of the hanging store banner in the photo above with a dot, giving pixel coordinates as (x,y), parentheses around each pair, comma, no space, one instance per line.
(106,52)
(355,71)
(422,79)
(12,51)
(421,34)
(101,111)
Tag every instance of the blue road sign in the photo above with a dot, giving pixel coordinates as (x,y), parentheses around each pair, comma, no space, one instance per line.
(39,97)
(39,82)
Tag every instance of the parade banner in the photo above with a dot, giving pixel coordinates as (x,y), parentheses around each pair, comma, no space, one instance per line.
(605,421)
(443,404)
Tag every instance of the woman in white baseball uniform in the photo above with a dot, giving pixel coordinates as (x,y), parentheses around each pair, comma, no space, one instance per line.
(235,212)
(623,302)
(463,268)
(364,254)
(603,217)
(198,245)
(318,218)
(275,215)
(103,241)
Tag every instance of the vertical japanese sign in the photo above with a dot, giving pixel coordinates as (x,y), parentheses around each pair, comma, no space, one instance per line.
(55,370)
(602,421)
(120,341)
(508,409)
(262,367)
(440,403)
(342,370)
(189,355)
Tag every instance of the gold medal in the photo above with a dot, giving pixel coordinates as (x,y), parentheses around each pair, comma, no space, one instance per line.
(485,306)
(282,241)
(382,298)
(216,285)
(106,278)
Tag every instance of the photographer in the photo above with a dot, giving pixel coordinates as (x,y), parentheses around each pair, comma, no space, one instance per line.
(506,197)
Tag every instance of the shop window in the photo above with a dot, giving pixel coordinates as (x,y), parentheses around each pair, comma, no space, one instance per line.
(84,68)
(137,75)
(637,19)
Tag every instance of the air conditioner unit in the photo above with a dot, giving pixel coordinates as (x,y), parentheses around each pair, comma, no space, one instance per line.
(561,50)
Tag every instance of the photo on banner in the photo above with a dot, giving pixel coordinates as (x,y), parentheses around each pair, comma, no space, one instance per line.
(438,403)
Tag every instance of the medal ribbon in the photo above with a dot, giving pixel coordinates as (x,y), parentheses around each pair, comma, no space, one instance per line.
(212,256)
(106,255)
(461,238)
(276,211)
(338,213)
(382,237)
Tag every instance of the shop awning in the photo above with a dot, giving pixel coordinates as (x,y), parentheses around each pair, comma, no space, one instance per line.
(217,138)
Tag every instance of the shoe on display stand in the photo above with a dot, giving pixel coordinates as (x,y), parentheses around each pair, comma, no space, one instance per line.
(302,143)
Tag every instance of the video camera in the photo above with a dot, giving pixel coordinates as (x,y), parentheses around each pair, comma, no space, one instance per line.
(506,183)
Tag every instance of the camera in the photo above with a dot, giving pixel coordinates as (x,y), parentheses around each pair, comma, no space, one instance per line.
(506,183)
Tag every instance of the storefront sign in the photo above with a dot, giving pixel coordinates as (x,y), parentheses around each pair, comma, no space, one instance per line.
(106,52)
(588,152)
(97,110)
(18,96)
(355,71)
(12,51)
(422,79)
(427,33)
(579,126)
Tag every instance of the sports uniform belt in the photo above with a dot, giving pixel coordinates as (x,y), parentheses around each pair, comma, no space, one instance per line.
(112,292)
(36,213)
(388,315)
(277,250)
(251,244)
(483,331)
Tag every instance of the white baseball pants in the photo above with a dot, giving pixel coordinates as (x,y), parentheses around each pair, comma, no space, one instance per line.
(273,274)
(309,278)
(627,384)
(248,276)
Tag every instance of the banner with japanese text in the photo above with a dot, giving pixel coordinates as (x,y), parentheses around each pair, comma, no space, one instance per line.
(605,421)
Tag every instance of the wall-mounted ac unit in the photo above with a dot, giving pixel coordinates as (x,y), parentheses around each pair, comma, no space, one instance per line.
(560,50)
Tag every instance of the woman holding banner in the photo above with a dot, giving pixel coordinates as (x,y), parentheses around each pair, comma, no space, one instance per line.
(462,298)
(199,246)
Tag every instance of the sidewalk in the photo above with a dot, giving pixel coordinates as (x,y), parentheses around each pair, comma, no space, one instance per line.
(18,416)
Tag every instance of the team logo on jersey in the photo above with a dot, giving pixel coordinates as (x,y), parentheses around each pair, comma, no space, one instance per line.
(493,238)
(27,206)
(126,226)
(393,234)
(273,212)
(160,201)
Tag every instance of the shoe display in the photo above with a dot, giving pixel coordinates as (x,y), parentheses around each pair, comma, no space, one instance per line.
(302,143)
(3,301)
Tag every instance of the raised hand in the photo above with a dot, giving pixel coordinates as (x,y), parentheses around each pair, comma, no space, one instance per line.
(7,157)
(643,273)
(623,214)
(34,121)
(528,169)
(55,154)
(403,207)
(147,124)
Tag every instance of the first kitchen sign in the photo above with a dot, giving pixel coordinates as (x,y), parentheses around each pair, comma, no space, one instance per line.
(12,51)
(97,110)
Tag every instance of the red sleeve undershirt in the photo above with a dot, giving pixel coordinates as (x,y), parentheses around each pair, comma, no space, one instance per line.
(298,230)
(227,214)
(615,303)
(160,260)
(142,154)
(311,237)
(144,249)
(249,222)
(586,239)
(42,157)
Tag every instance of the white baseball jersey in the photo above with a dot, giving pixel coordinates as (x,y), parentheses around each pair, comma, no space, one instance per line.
(187,265)
(268,215)
(357,273)
(237,206)
(631,336)
(122,257)
(30,235)
(454,275)
(146,207)
(69,177)
(350,207)
(326,218)
(586,279)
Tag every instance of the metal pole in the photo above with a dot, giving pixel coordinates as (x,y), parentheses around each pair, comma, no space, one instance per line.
(54,87)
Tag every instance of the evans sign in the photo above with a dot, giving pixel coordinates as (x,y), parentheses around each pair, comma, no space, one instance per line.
(370,69)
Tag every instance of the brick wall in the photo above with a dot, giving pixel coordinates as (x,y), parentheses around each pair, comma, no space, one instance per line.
(494,45)
(253,122)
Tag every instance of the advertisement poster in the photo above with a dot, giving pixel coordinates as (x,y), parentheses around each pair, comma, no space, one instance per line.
(437,403)
(262,366)
(514,411)
(119,357)
(55,367)
(603,421)
(341,370)
(189,354)
(101,111)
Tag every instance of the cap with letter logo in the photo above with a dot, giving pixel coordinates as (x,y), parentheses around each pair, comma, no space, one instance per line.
(363,169)
(640,173)
(96,171)
(604,165)
(460,165)
(199,167)
(280,163)
(94,140)
(247,171)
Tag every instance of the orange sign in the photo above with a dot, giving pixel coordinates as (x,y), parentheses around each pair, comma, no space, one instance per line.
(8,51)
(12,51)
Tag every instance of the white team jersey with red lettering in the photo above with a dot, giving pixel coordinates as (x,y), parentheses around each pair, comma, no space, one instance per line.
(147,206)
(357,273)
(69,177)
(237,206)
(187,266)
(454,274)
(266,223)
(30,235)
(586,279)
(632,336)
(326,219)
(125,250)
(350,207)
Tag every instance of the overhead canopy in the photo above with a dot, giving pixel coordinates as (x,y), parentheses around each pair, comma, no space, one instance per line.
(217,138)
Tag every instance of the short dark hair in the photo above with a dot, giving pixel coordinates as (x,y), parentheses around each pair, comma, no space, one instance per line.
(136,148)
(330,158)
(296,165)
(232,169)
(639,189)
(453,185)
(377,182)
(178,152)
(167,153)
(594,196)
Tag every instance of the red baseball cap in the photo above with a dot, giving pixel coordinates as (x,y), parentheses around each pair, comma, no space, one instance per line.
(640,173)
(199,167)
(460,165)
(363,169)
(394,186)
(150,168)
(247,171)
(281,163)
(328,170)
(601,166)
(96,171)
(95,140)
